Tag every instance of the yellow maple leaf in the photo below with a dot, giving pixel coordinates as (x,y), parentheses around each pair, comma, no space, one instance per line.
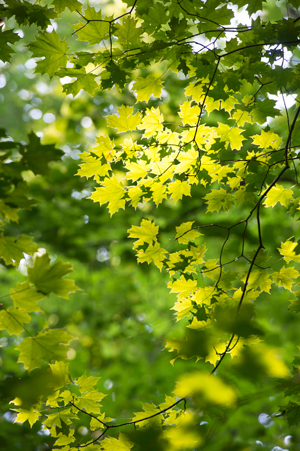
(31,415)
(178,189)
(184,287)
(267,140)
(188,113)
(145,233)
(159,192)
(284,278)
(186,161)
(147,86)
(287,250)
(153,253)
(231,135)
(185,233)
(278,194)
(136,170)
(111,191)
(152,122)
(196,91)
(125,120)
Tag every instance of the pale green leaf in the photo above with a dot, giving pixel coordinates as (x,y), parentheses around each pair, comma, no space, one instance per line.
(12,320)
(54,51)
(12,249)
(49,279)
(26,297)
(147,86)
(47,345)
(185,233)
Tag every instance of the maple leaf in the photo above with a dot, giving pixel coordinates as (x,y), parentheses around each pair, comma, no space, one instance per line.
(185,233)
(152,122)
(137,170)
(90,401)
(7,37)
(259,279)
(184,287)
(25,297)
(145,233)
(86,383)
(128,33)
(196,91)
(279,194)
(231,135)
(149,410)
(159,193)
(145,87)
(12,249)
(116,444)
(94,29)
(12,319)
(125,120)
(46,345)
(53,51)
(284,278)
(112,191)
(49,279)
(178,189)
(186,160)
(31,416)
(287,250)
(267,140)
(218,199)
(188,113)
(61,5)
(154,253)
(85,81)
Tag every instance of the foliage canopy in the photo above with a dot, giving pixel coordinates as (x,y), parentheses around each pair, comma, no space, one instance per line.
(198,143)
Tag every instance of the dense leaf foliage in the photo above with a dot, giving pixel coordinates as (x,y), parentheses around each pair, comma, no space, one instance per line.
(198,143)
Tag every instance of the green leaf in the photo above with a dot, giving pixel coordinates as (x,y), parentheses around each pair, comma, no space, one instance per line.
(93,32)
(128,34)
(218,199)
(90,401)
(36,157)
(49,279)
(27,13)
(116,444)
(47,345)
(12,249)
(292,413)
(149,410)
(86,383)
(185,233)
(52,49)
(145,87)
(61,5)
(26,297)
(6,51)
(12,320)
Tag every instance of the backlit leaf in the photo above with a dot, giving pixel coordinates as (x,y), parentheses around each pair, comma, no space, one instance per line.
(49,279)
(47,345)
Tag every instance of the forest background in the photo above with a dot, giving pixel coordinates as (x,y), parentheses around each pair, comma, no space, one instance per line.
(121,322)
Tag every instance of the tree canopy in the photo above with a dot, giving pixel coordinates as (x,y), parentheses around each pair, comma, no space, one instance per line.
(151,150)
